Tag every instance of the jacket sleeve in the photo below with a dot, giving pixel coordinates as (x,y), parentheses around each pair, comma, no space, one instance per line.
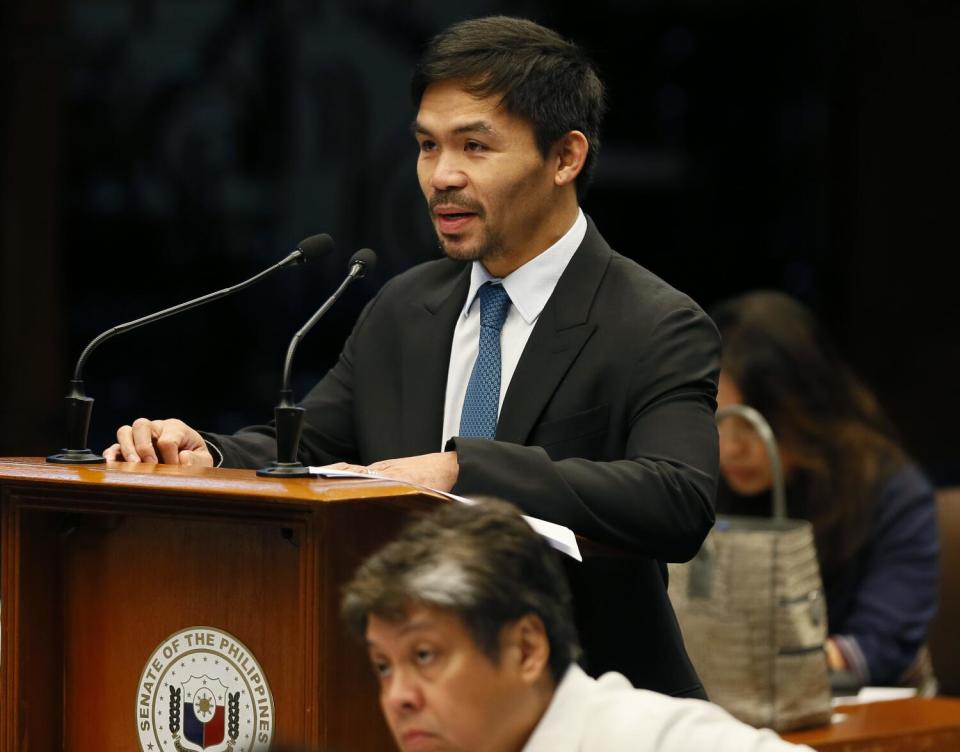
(897,594)
(656,499)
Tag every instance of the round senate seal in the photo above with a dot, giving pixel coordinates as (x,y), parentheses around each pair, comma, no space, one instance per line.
(203,691)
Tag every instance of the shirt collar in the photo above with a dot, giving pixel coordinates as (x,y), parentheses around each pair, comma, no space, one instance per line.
(565,716)
(531,285)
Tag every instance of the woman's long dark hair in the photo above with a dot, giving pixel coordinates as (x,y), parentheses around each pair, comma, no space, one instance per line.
(840,443)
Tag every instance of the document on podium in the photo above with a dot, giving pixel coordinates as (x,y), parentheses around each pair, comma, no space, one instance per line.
(558,536)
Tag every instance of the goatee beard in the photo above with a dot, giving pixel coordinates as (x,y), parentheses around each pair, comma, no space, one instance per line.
(488,248)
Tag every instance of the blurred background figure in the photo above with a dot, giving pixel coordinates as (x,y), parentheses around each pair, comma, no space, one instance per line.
(872,509)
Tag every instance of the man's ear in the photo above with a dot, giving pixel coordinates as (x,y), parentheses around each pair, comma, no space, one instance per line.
(571,151)
(525,642)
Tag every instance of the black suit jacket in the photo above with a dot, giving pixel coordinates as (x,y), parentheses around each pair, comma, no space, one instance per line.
(607,427)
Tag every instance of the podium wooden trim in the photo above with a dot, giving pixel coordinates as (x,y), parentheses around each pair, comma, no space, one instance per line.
(100,564)
(917,724)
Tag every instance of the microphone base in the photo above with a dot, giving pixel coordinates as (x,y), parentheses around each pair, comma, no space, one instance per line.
(284,470)
(76,457)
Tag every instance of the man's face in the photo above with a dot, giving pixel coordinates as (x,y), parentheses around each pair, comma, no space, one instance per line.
(439,691)
(489,189)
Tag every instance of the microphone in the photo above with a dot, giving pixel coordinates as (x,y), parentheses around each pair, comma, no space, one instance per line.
(79,406)
(287,415)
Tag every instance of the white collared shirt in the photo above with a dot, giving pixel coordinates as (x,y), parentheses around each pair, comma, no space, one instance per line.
(609,715)
(529,288)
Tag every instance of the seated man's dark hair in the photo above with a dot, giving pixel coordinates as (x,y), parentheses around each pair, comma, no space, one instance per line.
(540,76)
(482,562)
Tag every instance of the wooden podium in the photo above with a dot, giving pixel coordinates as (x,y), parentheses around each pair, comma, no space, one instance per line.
(102,564)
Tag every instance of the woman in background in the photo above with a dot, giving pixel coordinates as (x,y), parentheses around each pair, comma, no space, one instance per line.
(872,510)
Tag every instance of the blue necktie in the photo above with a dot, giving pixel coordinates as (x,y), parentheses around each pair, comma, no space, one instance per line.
(482,401)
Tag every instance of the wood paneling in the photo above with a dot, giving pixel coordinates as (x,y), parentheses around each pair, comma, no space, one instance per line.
(101,565)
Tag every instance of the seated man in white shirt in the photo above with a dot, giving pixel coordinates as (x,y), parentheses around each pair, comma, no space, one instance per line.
(467,618)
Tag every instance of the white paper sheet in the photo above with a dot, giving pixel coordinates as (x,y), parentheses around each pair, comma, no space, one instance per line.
(875,694)
(558,536)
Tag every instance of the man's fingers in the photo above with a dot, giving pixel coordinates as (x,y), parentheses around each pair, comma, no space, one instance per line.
(125,439)
(201,457)
(170,440)
(111,452)
(144,432)
(159,441)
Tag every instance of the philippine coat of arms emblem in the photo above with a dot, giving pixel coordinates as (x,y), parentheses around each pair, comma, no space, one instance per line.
(203,691)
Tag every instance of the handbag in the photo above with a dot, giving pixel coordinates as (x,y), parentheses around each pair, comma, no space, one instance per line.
(751,609)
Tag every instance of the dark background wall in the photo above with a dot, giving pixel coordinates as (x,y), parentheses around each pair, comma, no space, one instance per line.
(154,151)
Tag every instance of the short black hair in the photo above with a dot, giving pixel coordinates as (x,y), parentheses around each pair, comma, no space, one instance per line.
(541,77)
(484,563)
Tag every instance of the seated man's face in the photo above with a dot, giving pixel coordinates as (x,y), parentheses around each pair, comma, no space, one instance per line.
(439,691)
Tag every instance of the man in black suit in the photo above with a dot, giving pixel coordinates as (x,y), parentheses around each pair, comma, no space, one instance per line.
(533,363)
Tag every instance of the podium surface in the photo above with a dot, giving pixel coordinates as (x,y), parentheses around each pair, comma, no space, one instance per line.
(103,566)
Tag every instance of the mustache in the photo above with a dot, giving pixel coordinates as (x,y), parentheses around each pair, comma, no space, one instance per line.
(454,198)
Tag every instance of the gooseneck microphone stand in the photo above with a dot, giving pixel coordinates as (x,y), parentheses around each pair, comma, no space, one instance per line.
(79,406)
(288,416)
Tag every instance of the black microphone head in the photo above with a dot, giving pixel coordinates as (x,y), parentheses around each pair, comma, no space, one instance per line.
(365,259)
(314,248)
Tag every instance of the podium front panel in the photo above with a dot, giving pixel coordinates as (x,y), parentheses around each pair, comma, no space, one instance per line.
(101,567)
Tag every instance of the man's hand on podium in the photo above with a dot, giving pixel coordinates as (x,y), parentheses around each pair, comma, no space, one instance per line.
(438,470)
(170,441)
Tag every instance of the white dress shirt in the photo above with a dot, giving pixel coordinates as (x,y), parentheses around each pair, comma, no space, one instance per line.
(609,715)
(529,288)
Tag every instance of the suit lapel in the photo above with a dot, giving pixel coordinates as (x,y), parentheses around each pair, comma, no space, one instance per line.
(558,337)
(425,362)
